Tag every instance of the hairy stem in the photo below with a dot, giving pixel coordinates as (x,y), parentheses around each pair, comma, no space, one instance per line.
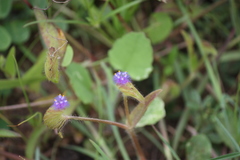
(120,125)
(136,144)
(126,109)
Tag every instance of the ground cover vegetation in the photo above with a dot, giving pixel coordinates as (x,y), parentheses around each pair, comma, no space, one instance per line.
(119,79)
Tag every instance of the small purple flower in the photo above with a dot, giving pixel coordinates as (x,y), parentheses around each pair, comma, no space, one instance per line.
(121,78)
(60,102)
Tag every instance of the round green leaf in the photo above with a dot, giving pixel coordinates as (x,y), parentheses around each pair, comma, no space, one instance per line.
(159,28)
(198,148)
(67,59)
(154,113)
(18,33)
(132,53)
(5,39)
(5,6)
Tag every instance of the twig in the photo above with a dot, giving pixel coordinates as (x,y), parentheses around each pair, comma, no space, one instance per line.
(120,125)
(12,156)
(80,47)
(25,105)
(168,49)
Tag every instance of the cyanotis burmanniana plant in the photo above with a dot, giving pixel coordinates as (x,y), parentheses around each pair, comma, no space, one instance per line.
(124,84)
(54,116)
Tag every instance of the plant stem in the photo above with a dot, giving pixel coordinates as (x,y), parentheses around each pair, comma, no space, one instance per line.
(125,101)
(136,144)
(163,129)
(213,77)
(120,125)
(25,105)
(125,25)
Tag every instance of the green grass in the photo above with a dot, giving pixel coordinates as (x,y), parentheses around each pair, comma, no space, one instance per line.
(196,65)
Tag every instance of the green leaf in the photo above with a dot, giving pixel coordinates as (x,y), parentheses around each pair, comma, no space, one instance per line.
(3,124)
(209,49)
(55,41)
(141,108)
(51,66)
(18,33)
(4,133)
(122,9)
(132,53)
(51,35)
(12,83)
(193,60)
(2,61)
(194,99)
(159,28)
(99,150)
(5,6)
(226,129)
(63,26)
(171,90)
(5,39)
(37,114)
(198,148)
(9,68)
(81,82)
(40,3)
(154,113)
(85,151)
(36,70)
(33,140)
(67,59)
(227,156)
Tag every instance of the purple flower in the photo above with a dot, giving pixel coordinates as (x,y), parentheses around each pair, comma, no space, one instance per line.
(60,102)
(121,78)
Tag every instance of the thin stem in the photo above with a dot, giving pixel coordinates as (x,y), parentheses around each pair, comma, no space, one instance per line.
(80,47)
(125,25)
(163,130)
(11,155)
(136,144)
(166,143)
(125,101)
(21,84)
(120,125)
(195,18)
(213,78)
(25,105)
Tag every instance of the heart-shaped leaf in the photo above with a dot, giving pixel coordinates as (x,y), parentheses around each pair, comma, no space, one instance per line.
(132,53)
(160,27)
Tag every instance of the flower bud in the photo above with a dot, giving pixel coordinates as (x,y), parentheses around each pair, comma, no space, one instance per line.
(123,82)
(54,116)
